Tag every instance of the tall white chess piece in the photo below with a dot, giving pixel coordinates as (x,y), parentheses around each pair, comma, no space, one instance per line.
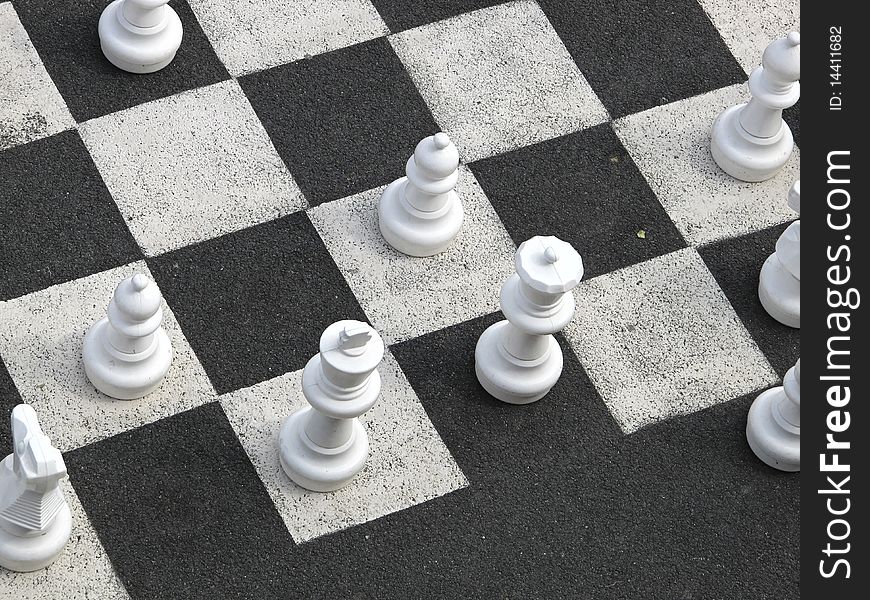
(139,36)
(773,427)
(779,283)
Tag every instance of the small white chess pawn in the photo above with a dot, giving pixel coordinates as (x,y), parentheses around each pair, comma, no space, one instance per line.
(35,520)
(139,36)
(420,214)
(773,427)
(751,141)
(779,283)
(518,360)
(127,354)
(324,445)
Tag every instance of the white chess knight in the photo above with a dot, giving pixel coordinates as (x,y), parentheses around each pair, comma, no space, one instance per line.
(420,214)
(779,283)
(323,446)
(773,427)
(139,36)
(127,354)
(35,520)
(518,360)
(751,141)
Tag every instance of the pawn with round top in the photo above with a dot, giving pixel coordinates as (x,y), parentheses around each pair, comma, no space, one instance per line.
(779,283)
(420,214)
(773,427)
(127,354)
(139,36)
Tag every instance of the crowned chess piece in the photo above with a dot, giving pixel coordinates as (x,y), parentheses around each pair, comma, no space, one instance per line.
(35,520)
(779,283)
(518,360)
(127,354)
(751,141)
(773,427)
(420,214)
(324,445)
(139,36)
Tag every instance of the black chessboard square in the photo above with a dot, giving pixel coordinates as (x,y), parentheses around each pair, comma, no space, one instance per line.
(9,398)
(344,121)
(64,32)
(406,14)
(637,54)
(252,304)
(58,221)
(585,189)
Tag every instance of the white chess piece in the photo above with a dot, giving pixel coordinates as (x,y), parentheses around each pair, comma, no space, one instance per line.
(779,283)
(751,141)
(519,360)
(773,427)
(139,36)
(35,520)
(324,445)
(420,214)
(127,354)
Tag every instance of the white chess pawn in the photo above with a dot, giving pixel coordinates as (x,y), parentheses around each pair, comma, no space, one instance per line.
(139,36)
(779,283)
(324,445)
(773,427)
(35,520)
(519,360)
(751,141)
(127,354)
(420,214)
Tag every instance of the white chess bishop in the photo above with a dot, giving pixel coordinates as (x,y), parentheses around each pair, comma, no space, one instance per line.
(773,427)
(518,360)
(779,283)
(127,354)
(751,142)
(324,445)
(35,520)
(420,214)
(139,36)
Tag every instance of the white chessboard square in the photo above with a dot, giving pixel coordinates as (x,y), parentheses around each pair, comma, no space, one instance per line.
(670,145)
(191,167)
(259,34)
(30,105)
(81,572)
(660,339)
(405,296)
(41,337)
(408,462)
(498,78)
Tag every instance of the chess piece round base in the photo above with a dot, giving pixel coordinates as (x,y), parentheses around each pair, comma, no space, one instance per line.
(780,292)
(415,232)
(316,468)
(744,156)
(125,379)
(510,379)
(25,554)
(770,441)
(138,49)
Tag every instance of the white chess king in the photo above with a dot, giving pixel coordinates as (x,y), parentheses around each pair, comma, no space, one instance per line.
(773,427)
(518,360)
(420,214)
(779,283)
(139,36)
(127,354)
(751,141)
(35,520)
(324,445)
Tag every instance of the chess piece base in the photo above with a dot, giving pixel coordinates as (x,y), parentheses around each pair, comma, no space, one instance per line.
(125,380)
(744,156)
(25,554)
(780,292)
(510,379)
(415,232)
(138,49)
(316,468)
(770,441)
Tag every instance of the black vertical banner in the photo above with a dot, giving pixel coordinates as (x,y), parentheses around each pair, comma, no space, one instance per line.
(835,370)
